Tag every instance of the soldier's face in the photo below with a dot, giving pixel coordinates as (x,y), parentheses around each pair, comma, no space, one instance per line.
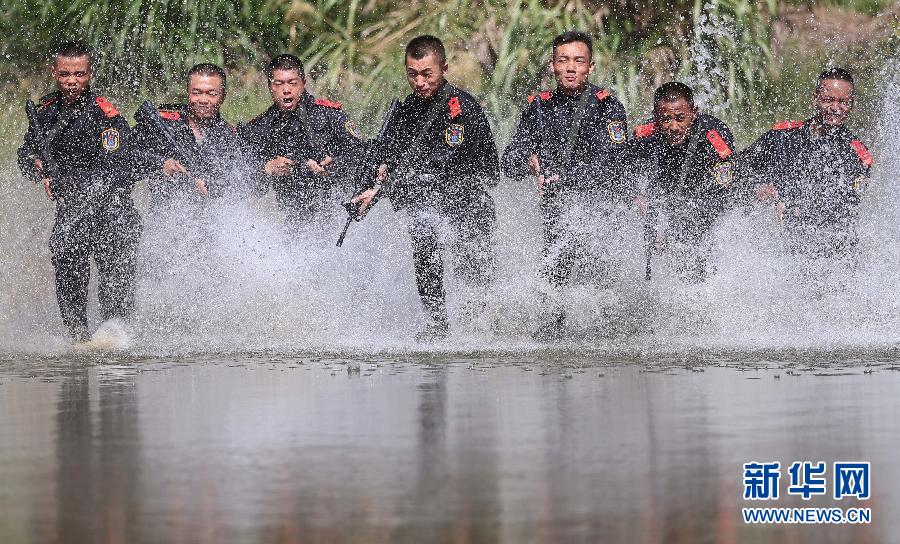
(425,75)
(674,118)
(572,64)
(205,96)
(833,101)
(286,86)
(73,75)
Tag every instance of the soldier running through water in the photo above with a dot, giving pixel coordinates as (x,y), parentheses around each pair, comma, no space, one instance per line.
(815,172)
(571,139)
(305,147)
(89,144)
(438,162)
(685,157)
(194,152)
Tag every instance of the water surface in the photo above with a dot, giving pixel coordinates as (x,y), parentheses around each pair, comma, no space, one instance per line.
(542,447)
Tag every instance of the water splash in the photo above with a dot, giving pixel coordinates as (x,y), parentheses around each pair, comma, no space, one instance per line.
(227,277)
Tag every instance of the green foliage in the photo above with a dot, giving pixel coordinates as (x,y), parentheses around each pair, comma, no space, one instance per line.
(353,48)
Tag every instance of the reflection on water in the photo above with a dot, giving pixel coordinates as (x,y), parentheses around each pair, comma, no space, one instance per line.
(281,449)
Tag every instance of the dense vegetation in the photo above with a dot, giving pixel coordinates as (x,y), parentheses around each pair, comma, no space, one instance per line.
(352,47)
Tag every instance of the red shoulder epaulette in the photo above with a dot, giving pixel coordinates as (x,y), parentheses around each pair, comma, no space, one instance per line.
(545,95)
(602,94)
(328,103)
(864,156)
(46,103)
(642,131)
(718,143)
(108,109)
(455,108)
(170,115)
(787,125)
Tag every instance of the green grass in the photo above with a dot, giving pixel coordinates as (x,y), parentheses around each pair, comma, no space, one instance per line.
(353,49)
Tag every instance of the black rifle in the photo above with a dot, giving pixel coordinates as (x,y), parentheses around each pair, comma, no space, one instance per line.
(148,114)
(371,146)
(649,240)
(547,167)
(44,140)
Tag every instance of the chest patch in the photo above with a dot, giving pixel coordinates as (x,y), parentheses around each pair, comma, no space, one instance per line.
(454,135)
(723,173)
(110,139)
(616,131)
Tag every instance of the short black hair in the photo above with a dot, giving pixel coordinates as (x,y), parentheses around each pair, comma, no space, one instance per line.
(833,73)
(573,36)
(72,50)
(209,70)
(421,46)
(285,62)
(672,91)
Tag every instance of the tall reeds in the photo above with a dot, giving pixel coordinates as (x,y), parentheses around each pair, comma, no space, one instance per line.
(353,48)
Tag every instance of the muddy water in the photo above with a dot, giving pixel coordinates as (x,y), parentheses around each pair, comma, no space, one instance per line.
(541,448)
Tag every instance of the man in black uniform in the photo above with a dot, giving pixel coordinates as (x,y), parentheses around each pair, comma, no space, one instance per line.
(89,144)
(304,146)
(815,171)
(437,163)
(214,154)
(685,157)
(572,140)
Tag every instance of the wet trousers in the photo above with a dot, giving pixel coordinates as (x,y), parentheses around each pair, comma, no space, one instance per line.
(688,237)
(467,236)
(566,256)
(109,232)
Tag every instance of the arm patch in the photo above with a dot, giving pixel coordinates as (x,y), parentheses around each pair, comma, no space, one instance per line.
(864,155)
(108,109)
(545,95)
(718,143)
(642,131)
(455,108)
(787,125)
(328,103)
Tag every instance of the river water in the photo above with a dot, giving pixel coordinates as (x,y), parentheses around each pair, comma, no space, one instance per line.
(456,448)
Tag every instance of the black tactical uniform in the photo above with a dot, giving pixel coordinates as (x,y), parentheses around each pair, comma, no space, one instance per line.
(303,195)
(441,160)
(688,187)
(218,157)
(592,173)
(95,214)
(819,180)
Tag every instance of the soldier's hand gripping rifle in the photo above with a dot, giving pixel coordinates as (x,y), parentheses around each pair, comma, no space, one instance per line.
(351,207)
